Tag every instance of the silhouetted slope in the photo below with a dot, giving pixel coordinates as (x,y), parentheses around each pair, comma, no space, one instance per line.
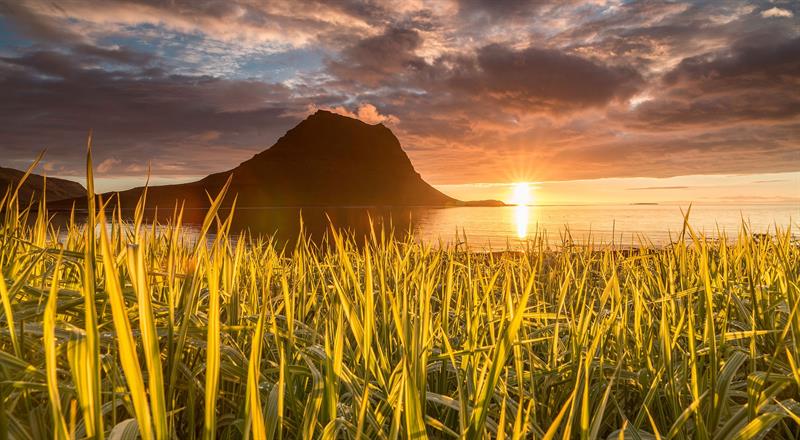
(57,189)
(326,160)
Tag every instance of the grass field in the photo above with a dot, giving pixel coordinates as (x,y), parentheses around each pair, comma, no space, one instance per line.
(134,330)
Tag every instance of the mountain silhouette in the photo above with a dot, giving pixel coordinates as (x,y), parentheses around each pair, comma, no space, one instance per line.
(326,160)
(57,189)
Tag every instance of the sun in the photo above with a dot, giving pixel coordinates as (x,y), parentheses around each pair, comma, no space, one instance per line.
(522,194)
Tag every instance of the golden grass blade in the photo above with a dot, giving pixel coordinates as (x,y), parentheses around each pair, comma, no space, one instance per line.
(193,286)
(212,349)
(51,360)
(124,336)
(150,340)
(760,426)
(486,389)
(9,315)
(88,368)
(254,418)
(553,429)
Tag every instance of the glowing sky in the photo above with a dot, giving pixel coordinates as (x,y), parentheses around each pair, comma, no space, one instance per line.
(660,100)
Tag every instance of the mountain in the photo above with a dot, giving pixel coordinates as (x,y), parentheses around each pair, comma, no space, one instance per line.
(326,160)
(57,189)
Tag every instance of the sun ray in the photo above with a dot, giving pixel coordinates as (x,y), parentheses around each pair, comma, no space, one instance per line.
(522,194)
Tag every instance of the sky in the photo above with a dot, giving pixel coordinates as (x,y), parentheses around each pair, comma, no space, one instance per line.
(591,101)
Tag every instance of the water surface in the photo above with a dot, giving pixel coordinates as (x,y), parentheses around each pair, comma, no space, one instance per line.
(510,227)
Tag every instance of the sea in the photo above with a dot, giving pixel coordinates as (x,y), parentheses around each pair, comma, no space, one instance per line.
(515,227)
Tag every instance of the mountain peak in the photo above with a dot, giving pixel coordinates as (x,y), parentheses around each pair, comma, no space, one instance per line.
(329,115)
(328,136)
(326,160)
(321,113)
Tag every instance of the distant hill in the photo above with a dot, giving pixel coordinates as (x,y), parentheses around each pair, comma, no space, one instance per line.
(57,189)
(326,160)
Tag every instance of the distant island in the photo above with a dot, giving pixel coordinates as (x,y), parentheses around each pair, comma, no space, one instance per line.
(326,160)
(486,203)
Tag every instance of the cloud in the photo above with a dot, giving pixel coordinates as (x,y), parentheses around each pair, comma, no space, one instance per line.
(365,112)
(751,83)
(108,165)
(38,26)
(477,91)
(649,188)
(369,114)
(374,60)
(114,54)
(500,8)
(544,79)
(185,124)
(777,12)
(206,136)
(528,79)
(280,22)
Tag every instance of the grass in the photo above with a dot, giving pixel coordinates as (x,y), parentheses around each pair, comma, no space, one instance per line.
(131,330)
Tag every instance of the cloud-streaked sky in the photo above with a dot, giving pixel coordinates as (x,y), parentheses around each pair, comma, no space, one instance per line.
(478,91)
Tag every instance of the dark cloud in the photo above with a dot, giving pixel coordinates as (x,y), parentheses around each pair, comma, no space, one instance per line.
(500,8)
(51,102)
(373,61)
(532,80)
(545,79)
(750,83)
(118,54)
(37,26)
(750,64)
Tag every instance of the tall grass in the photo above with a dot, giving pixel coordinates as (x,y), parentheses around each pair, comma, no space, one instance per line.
(122,330)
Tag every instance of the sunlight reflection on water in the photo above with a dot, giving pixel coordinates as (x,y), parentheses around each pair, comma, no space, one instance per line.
(521,219)
(511,227)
